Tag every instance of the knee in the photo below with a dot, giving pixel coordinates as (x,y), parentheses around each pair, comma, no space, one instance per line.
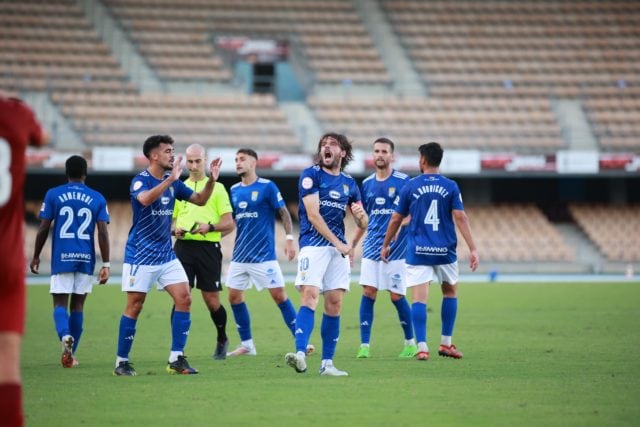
(449,291)
(369,292)
(235,297)
(134,309)
(279,296)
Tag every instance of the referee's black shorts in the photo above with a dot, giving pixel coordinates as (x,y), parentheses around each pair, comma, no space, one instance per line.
(202,261)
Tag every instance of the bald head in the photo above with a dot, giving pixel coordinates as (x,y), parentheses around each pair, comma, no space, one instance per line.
(196,160)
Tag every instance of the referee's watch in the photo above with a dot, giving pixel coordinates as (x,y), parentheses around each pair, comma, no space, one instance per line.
(212,227)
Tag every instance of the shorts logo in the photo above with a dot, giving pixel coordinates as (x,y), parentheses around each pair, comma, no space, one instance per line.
(307,183)
(243,205)
(131,281)
(254,196)
(392,191)
(334,194)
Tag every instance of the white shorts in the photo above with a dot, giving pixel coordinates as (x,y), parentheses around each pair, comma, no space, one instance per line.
(384,276)
(71,283)
(420,274)
(323,267)
(263,275)
(140,278)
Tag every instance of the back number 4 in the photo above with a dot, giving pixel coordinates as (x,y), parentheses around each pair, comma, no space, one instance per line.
(432,215)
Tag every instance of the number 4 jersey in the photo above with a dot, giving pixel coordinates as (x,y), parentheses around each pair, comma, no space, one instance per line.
(430,199)
(74,209)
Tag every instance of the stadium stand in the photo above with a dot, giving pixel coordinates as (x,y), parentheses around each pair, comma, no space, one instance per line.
(614,229)
(177,37)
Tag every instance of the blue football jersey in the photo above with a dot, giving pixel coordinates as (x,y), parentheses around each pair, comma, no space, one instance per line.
(378,199)
(149,241)
(336,193)
(430,199)
(74,209)
(254,210)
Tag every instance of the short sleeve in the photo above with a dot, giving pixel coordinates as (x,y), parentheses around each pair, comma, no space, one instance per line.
(182,192)
(308,183)
(402,201)
(47,210)
(275,198)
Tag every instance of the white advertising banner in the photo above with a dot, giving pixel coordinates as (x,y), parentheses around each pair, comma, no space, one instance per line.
(569,161)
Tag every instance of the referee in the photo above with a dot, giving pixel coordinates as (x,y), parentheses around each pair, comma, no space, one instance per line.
(198,230)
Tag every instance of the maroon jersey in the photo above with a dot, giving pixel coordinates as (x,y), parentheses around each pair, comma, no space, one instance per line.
(18,128)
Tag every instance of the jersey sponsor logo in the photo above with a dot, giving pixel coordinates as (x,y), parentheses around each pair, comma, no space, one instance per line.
(254,196)
(161,212)
(243,205)
(432,250)
(334,194)
(137,185)
(165,200)
(331,204)
(73,256)
(243,215)
(382,212)
(307,183)
(380,200)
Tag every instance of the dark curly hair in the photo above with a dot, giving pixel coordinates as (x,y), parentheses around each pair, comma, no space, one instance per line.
(345,145)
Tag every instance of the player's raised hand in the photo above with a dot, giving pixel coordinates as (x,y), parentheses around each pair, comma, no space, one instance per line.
(176,171)
(214,168)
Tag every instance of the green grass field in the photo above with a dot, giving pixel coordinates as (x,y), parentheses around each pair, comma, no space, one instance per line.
(535,354)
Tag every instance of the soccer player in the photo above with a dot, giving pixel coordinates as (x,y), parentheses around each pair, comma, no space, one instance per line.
(325,193)
(198,230)
(255,204)
(75,210)
(18,129)
(435,205)
(149,257)
(379,190)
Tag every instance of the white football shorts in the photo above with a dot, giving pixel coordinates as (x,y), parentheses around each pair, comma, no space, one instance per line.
(71,283)
(267,274)
(140,278)
(323,267)
(384,276)
(420,274)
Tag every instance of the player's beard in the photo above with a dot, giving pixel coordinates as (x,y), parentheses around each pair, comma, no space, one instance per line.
(331,162)
(381,164)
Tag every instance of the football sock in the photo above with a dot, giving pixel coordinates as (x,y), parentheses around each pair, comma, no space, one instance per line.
(289,315)
(61,321)
(11,405)
(219,318)
(180,325)
(76,319)
(126,335)
(445,340)
(329,331)
(419,318)
(304,326)
(366,318)
(173,355)
(448,313)
(404,314)
(243,321)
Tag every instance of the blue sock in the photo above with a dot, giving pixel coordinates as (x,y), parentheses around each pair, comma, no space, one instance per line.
(366,318)
(419,317)
(243,320)
(304,327)
(404,314)
(76,319)
(448,314)
(126,335)
(61,321)
(180,325)
(330,331)
(289,315)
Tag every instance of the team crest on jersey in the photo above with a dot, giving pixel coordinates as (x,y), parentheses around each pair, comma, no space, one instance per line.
(392,192)
(345,189)
(254,196)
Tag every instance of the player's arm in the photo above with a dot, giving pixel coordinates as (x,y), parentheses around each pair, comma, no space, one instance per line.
(287,224)
(462,222)
(103,243)
(312,205)
(41,238)
(392,230)
(357,237)
(200,198)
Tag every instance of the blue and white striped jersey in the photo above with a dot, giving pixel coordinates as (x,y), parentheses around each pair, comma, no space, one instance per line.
(254,209)
(378,198)
(336,193)
(74,209)
(430,199)
(149,241)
